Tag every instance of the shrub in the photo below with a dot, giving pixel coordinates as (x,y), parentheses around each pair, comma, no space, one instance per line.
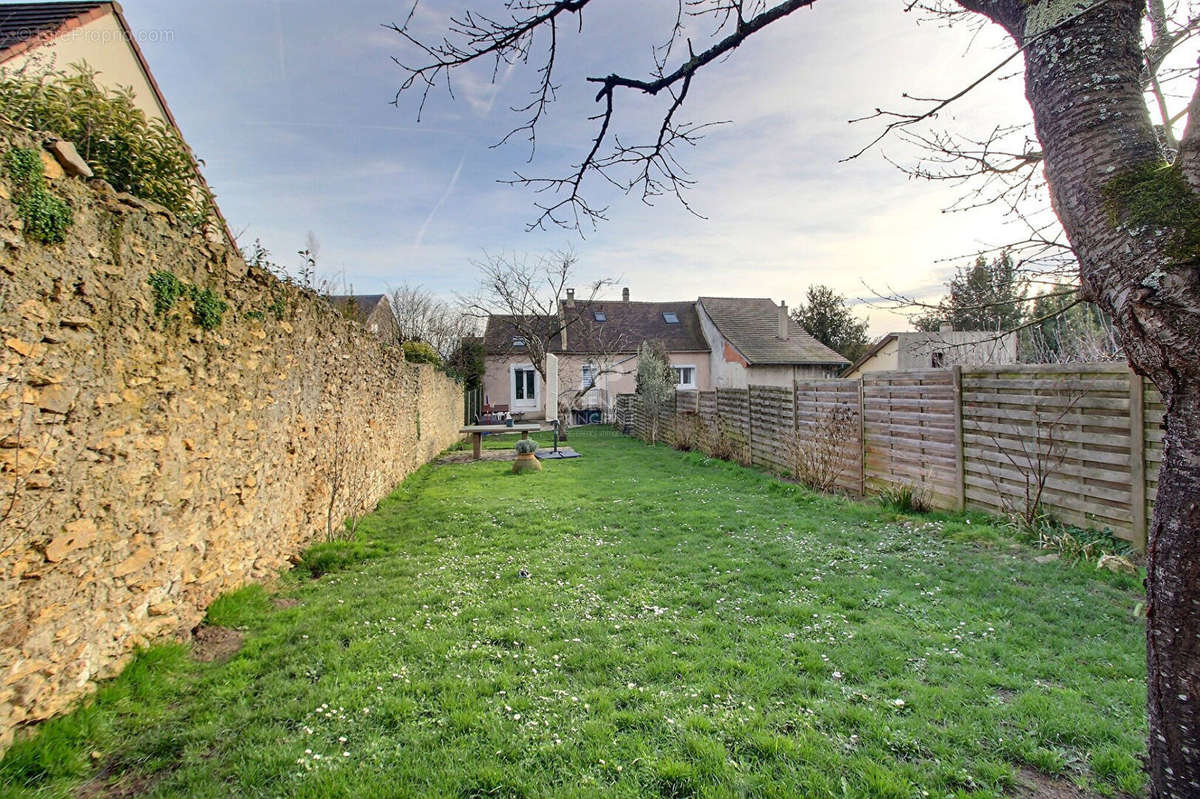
(142,156)
(817,452)
(420,352)
(46,217)
(906,498)
(687,432)
(526,446)
(655,384)
(723,445)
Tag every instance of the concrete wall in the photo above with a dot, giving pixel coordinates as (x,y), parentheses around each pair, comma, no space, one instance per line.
(148,465)
(886,360)
(723,373)
(782,376)
(909,351)
(963,348)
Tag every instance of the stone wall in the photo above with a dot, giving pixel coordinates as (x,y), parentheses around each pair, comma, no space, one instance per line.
(148,465)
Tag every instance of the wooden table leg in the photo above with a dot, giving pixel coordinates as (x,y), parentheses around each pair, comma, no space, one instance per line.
(524,435)
(477,445)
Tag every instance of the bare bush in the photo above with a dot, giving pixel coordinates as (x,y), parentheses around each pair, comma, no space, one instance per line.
(816,452)
(1036,456)
(723,444)
(688,428)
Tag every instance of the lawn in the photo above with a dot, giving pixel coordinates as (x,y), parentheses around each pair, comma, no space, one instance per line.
(686,628)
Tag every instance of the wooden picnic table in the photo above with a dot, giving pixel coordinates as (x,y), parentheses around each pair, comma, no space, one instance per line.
(477,431)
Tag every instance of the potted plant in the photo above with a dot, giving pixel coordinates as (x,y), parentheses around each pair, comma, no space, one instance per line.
(526,459)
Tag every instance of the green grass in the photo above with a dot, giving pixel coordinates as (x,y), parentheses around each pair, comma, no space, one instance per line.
(688,628)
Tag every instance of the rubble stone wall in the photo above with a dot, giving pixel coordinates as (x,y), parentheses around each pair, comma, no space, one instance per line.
(148,464)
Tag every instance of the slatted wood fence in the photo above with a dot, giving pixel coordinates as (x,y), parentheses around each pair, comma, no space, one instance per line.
(909,433)
(1085,440)
(816,403)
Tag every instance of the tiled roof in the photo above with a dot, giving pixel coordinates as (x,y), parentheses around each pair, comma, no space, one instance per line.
(751,325)
(625,326)
(20,22)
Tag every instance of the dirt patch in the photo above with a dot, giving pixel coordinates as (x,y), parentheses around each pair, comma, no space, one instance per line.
(111,783)
(466,456)
(216,644)
(1036,785)
(282,602)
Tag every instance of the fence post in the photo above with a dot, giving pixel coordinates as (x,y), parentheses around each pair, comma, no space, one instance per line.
(960,466)
(1137,459)
(862,442)
(749,427)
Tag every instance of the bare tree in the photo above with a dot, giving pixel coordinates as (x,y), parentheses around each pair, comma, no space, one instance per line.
(606,351)
(422,316)
(528,299)
(1125,188)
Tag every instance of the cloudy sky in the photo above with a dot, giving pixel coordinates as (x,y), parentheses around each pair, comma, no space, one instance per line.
(289,102)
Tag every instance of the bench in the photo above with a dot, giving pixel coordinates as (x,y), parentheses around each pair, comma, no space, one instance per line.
(477,431)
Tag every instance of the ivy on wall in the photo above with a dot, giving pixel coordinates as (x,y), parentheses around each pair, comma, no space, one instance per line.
(168,290)
(46,216)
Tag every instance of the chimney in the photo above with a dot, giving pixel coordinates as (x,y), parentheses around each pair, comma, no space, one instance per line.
(945,327)
(783,320)
(570,298)
(625,295)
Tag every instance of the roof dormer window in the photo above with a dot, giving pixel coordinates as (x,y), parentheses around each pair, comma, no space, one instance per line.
(601,316)
(670,317)
(518,341)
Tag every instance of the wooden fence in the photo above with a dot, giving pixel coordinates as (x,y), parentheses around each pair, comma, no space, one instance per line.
(1085,440)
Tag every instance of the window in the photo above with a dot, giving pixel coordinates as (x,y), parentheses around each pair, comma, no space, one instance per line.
(601,316)
(518,341)
(938,361)
(670,317)
(524,387)
(685,376)
(588,378)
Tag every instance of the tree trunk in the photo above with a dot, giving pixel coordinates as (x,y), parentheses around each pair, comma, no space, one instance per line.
(1134,223)
(1173,622)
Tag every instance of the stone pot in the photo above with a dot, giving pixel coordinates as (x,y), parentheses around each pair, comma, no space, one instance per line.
(526,462)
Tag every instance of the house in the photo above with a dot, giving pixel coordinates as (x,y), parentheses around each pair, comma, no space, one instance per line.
(711,342)
(56,35)
(755,342)
(373,310)
(935,350)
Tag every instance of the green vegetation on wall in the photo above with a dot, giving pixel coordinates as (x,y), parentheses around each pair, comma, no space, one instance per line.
(207,307)
(420,352)
(46,217)
(142,156)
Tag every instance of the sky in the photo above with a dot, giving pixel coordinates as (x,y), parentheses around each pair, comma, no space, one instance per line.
(290,105)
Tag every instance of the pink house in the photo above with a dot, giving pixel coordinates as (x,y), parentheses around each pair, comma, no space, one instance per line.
(713,342)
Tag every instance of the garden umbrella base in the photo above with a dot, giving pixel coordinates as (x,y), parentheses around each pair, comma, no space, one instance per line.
(560,454)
